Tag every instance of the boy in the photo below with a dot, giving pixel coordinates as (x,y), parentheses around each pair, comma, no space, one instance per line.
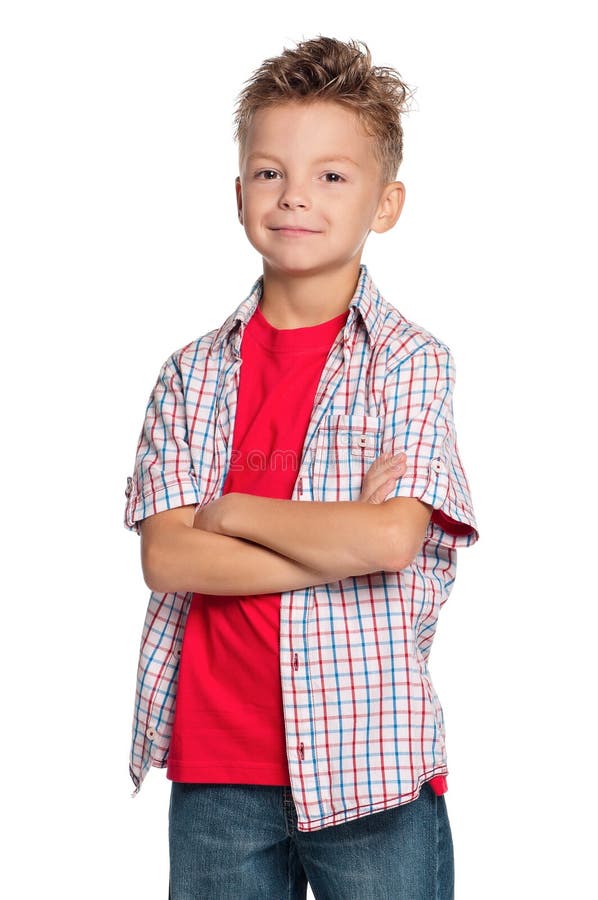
(297,578)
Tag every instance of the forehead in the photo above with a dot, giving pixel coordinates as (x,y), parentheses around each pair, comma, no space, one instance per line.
(323,128)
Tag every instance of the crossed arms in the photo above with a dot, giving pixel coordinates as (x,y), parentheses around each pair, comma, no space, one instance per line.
(243,544)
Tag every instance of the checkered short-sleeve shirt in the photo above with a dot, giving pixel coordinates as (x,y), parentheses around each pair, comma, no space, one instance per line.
(364,725)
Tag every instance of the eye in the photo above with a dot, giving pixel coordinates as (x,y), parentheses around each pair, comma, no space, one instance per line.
(336,175)
(269,171)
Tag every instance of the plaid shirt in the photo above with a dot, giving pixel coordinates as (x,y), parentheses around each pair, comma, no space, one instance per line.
(364,726)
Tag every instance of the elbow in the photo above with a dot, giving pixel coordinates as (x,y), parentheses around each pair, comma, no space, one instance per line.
(153,570)
(165,569)
(400,552)
(172,553)
(156,585)
(407,525)
(159,573)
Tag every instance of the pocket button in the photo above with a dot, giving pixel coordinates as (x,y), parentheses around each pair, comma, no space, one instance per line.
(363,445)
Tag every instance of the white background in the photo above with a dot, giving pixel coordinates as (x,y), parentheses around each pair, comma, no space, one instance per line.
(120,243)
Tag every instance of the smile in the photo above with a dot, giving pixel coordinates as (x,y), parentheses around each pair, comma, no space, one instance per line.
(294,232)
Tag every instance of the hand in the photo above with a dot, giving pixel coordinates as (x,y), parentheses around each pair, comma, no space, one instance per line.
(211,516)
(381,476)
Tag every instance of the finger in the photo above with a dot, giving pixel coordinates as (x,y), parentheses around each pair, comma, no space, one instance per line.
(383,463)
(387,489)
(385,468)
(387,458)
(382,492)
(375,478)
(375,490)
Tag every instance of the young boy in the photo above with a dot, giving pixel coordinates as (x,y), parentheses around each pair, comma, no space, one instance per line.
(296,577)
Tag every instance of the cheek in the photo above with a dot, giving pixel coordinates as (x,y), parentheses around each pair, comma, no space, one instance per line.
(352,212)
(257,211)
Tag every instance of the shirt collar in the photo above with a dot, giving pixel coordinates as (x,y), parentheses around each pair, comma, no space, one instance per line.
(366,301)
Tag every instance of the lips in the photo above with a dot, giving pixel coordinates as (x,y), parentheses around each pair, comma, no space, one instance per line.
(295,228)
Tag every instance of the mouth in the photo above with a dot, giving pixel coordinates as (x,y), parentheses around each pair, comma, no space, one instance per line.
(293,231)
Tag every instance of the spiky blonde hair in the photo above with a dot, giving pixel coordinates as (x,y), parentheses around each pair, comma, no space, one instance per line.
(325,68)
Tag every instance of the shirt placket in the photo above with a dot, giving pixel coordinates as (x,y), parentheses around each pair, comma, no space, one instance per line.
(310,786)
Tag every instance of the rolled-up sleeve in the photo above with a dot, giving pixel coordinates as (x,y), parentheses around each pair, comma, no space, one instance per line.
(418,420)
(163,476)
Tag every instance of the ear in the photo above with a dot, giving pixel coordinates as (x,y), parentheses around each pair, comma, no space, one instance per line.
(239,194)
(389,207)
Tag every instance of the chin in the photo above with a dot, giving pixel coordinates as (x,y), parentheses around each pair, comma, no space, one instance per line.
(297,266)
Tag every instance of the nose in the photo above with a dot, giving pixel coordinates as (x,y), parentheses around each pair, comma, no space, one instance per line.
(294,196)
(293,202)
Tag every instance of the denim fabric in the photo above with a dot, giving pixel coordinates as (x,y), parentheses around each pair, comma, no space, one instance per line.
(240,842)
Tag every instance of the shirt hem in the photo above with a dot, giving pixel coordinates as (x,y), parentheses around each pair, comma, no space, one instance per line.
(355,812)
(231,773)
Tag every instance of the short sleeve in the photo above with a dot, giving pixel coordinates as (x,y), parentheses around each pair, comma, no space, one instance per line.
(418,420)
(164,476)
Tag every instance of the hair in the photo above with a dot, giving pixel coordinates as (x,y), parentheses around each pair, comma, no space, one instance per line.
(325,68)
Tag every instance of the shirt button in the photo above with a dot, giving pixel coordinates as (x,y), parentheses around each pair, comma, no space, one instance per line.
(438,465)
(150,733)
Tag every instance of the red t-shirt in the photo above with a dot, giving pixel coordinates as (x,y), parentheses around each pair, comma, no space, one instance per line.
(229,721)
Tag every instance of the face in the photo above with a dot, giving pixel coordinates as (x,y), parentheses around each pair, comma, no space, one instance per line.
(310,166)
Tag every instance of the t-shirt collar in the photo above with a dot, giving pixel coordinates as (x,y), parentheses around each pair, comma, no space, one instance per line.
(367,302)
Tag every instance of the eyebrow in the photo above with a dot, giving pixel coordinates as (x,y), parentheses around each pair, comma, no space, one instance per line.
(322,160)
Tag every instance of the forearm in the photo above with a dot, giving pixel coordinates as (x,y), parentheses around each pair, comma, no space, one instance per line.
(346,536)
(190,559)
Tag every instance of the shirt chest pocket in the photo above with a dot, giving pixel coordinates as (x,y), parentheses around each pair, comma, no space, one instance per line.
(345,446)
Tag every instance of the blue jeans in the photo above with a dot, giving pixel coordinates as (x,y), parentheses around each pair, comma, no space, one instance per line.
(240,842)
